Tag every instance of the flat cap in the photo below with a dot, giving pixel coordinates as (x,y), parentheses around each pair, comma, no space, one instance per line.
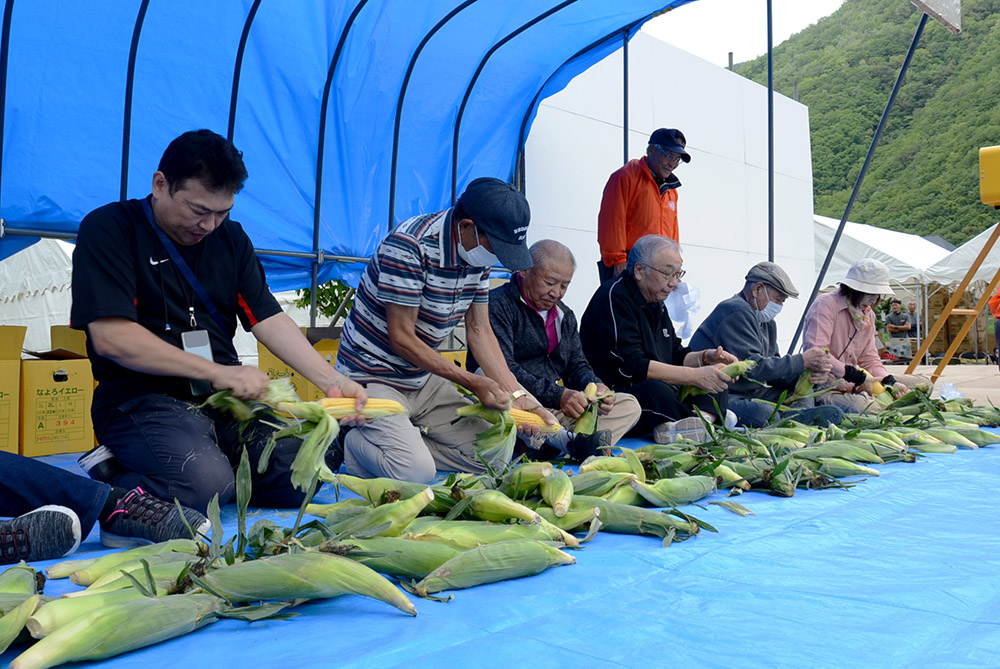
(774,276)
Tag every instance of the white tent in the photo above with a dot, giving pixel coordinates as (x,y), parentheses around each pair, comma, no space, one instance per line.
(35,290)
(952,268)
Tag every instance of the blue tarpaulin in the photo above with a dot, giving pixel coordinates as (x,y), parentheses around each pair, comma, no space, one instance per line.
(898,571)
(323,97)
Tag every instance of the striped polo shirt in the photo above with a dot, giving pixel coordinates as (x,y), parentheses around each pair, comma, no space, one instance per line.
(417,265)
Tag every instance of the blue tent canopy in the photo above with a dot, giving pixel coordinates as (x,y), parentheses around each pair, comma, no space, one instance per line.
(352,115)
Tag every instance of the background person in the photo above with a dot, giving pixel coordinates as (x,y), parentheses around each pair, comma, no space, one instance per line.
(911,313)
(896,322)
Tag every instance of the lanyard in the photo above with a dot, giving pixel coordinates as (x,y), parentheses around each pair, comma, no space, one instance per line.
(186,272)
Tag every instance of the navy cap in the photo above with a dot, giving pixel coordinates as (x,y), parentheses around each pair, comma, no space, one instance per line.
(671,139)
(500,212)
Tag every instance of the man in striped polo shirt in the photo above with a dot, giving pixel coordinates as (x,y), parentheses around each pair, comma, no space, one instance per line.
(425,276)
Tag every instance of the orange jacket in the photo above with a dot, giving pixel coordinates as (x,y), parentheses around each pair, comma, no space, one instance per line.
(632,207)
(995,304)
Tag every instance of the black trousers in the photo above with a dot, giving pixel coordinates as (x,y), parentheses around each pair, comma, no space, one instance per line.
(659,403)
(173,449)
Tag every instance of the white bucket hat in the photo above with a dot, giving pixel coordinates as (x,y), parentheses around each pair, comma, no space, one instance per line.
(868,276)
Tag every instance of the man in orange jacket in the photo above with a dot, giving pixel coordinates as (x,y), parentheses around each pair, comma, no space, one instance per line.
(640,199)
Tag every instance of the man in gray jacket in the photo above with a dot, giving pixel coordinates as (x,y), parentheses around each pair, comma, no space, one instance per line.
(744,326)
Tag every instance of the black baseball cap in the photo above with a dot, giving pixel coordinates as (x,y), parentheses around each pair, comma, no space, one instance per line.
(671,139)
(500,212)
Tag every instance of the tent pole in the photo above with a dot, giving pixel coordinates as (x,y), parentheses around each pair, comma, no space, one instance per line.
(4,44)
(859,181)
(129,82)
(625,97)
(770,138)
(238,69)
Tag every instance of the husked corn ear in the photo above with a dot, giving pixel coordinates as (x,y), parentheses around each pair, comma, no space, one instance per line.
(399,557)
(557,490)
(13,622)
(674,492)
(119,628)
(21,580)
(91,570)
(522,418)
(305,575)
(52,615)
(465,534)
(492,563)
(341,407)
(625,519)
(394,515)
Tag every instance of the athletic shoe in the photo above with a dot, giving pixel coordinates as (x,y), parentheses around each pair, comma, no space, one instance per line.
(99,464)
(582,446)
(46,533)
(139,519)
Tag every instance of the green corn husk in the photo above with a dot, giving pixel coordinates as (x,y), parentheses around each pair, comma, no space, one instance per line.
(675,492)
(306,575)
(165,575)
(839,468)
(492,563)
(912,435)
(320,429)
(395,516)
(934,448)
(21,580)
(950,436)
(324,510)
(496,506)
(888,437)
(523,479)
(732,370)
(136,566)
(726,477)
(888,453)
(980,437)
(495,444)
(86,572)
(624,519)
(557,490)
(53,615)
(10,601)
(571,520)
(118,628)
(376,490)
(11,624)
(399,557)
(838,449)
(466,534)
(605,463)
(597,483)
(625,494)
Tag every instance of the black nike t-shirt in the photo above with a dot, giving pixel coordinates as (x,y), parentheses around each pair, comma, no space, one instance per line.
(121,269)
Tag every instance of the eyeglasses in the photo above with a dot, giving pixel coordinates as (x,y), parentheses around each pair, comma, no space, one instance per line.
(678,275)
(669,155)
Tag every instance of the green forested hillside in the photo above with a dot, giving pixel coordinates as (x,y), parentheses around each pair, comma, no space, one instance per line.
(924,178)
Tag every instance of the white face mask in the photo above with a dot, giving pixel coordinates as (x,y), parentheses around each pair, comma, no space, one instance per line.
(770,310)
(478,256)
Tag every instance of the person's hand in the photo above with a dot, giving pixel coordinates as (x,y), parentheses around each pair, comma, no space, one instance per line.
(711,378)
(527,430)
(901,389)
(573,403)
(608,403)
(489,392)
(817,359)
(867,387)
(820,378)
(345,387)
(719,356)
(243,381)
(844,386)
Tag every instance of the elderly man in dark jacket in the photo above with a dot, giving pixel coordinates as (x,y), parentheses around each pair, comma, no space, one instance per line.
(539,338)
(628,337)
(744,325)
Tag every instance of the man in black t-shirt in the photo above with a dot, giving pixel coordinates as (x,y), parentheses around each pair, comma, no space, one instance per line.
(132,295)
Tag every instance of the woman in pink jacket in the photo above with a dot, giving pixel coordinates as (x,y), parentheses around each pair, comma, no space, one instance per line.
(843,322)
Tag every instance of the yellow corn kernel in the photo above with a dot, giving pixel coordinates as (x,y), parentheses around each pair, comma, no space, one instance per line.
(341,407)
(530,418)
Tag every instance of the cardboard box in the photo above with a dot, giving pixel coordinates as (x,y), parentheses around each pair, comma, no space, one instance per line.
(324,340)
(11,341)
(56,396)
(63,338)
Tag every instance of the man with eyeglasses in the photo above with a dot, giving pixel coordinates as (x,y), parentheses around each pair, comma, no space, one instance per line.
(744,325)
(640,199)
(629,340)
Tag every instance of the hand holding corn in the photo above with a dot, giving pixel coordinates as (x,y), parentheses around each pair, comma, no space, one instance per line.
(717,356)
(344,387)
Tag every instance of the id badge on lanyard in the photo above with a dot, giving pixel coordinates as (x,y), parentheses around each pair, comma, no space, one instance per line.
(198,342)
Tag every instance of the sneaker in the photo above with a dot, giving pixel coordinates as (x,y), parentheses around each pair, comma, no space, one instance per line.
(46,533)
(139,519)
(686,428)
(582,446)
(99,464)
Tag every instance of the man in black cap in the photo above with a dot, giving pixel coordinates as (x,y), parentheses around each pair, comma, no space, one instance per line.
(640,199)
(426,275)
(744,325)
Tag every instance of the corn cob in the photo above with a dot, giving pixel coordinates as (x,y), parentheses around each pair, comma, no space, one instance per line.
(394,516)
(136,565)
(557,490)
(980,437)
(587,422)
(11,624)
(940,447)
(52,615)
(378,490)
(674,492)
(732,370)
(21,580)
(492,563)
(624,519)
(605,463)
(573,519)
(86,572)
(165,576)
(398,557)
(840,468)
(532,419)
(837,449)
(119,628)
(340,408)
(524,479)
(496,506)
(466,534)
(951,437)
(306,575)
(624,494)
(598,482)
